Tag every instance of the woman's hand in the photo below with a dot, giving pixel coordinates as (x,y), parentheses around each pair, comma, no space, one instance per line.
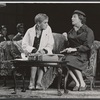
(69,50)
(63,51)
(40,51)
(65,34)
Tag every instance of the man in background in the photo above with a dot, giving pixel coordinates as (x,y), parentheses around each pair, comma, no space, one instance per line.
(3,33)
(20,34)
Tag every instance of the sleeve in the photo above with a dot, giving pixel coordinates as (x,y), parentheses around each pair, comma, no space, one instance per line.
(88,43)
(1,39)
(26,42)
(17,37)
(49,46)
(34,51)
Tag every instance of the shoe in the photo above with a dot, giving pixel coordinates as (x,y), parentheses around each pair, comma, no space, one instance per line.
(81,88)
(76,88)
(31,87)
(39,87)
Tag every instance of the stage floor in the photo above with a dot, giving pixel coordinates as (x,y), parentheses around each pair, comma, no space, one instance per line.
(6,92)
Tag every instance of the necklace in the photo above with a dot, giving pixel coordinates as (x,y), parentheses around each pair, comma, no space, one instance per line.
(38,32)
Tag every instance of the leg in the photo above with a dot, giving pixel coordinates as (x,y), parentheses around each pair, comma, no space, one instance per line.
(76,81)
(74,78)
(80,77)
(32,78)
(39,78)
(40,75)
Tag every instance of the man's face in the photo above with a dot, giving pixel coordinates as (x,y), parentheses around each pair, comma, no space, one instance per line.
(21,30)
(43,25)
(4,31)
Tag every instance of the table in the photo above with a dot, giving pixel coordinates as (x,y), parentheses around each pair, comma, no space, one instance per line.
(26,63)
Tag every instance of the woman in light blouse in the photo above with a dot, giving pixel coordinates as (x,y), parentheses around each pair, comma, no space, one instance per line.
(38,39)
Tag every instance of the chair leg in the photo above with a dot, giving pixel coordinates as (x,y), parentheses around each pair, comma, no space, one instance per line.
(4,80)
(65,81)
(23,77)
(14,79)
(93,85)
(91,79)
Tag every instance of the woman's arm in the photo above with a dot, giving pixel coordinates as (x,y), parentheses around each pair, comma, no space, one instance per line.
(65,34)
(88,43)
(26,42)
(50,42)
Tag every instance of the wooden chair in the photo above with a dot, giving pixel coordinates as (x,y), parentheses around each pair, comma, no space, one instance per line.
(7,52)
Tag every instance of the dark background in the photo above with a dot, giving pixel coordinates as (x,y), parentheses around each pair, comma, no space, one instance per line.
(59,15)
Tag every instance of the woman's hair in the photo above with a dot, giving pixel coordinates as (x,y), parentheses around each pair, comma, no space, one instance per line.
(40,17)
(82,18)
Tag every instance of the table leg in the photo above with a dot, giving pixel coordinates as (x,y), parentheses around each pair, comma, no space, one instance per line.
(15,85)
(23,77)
(4,79)
(59,80)
(65,81)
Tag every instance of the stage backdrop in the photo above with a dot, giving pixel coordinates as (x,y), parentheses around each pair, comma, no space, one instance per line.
(59,15)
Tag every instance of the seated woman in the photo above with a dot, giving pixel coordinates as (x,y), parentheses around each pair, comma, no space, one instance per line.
(80,39)
(38,39)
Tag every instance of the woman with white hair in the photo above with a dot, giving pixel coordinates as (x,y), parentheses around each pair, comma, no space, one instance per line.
(38,39)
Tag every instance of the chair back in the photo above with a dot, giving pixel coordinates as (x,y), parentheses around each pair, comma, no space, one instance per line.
(93,57)
(58,43)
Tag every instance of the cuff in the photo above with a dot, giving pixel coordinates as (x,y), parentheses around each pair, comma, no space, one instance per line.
(34,51)
(45,51)
(77,49)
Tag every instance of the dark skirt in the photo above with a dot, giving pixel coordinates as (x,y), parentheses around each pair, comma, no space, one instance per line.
(77,60)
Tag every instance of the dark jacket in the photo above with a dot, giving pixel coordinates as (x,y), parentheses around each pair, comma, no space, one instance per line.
(18,37)
(2,38)
(82,40)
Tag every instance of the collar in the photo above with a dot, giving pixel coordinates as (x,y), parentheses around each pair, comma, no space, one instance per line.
(20,34)
(83,27)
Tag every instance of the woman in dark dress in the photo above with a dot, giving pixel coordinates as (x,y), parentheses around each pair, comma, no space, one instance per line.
(80,39)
